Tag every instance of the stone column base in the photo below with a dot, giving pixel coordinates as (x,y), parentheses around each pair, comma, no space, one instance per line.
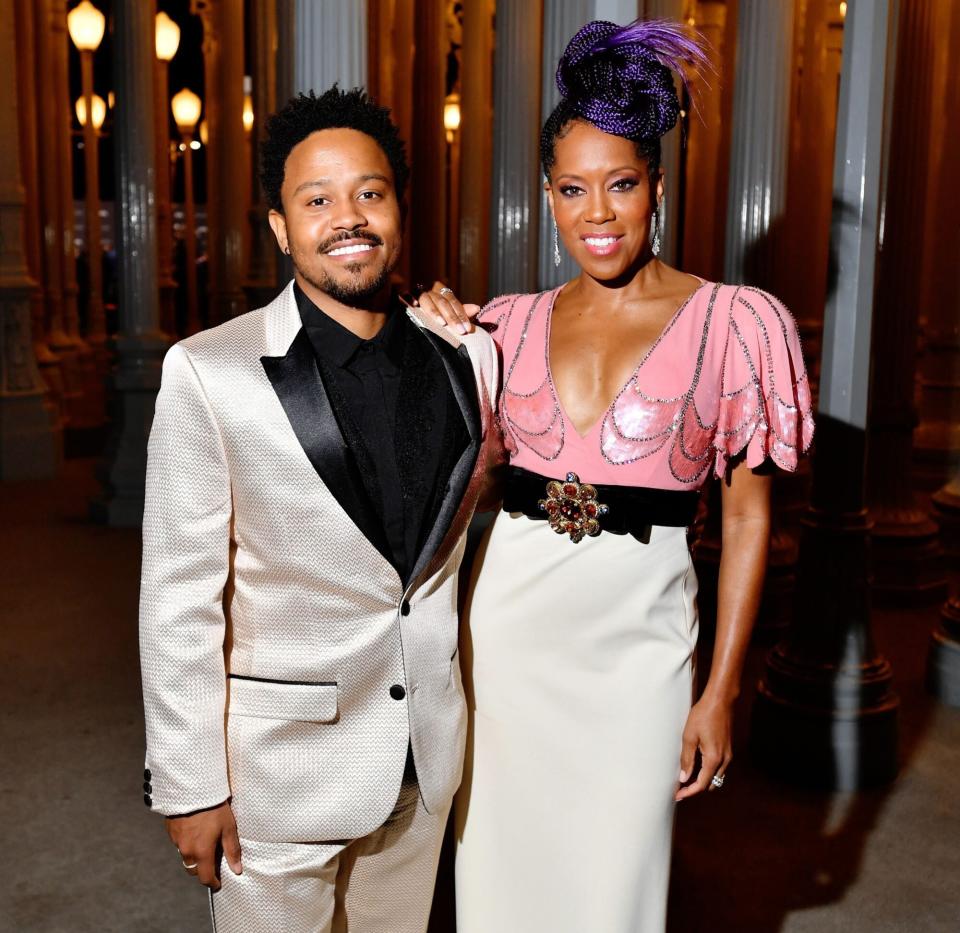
(943,661)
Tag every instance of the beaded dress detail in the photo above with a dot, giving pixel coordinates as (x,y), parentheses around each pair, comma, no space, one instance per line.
(725,378)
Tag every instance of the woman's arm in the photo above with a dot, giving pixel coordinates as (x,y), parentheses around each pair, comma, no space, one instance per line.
(743,561)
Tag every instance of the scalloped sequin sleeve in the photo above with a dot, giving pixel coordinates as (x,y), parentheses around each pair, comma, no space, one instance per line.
(765,405)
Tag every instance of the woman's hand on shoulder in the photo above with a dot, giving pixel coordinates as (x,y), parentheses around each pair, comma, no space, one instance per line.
(709,728)
(446,307)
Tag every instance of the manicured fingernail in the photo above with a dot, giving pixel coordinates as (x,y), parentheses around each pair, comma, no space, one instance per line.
(462,327)
(683,776)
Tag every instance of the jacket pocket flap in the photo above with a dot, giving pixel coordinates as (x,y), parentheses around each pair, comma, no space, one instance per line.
(273,699)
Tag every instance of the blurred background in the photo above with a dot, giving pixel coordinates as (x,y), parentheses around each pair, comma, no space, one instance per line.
(818,160)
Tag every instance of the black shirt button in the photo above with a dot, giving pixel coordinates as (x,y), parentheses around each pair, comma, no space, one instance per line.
(148,787)
(405,608)
(397,692)
(148,801)
(147,776)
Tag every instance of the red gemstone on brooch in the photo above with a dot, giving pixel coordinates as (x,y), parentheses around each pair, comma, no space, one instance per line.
(572,508)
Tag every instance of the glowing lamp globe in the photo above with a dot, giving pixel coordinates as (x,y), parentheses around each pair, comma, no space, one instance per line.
(167,37)
(186,110)
(99,109)
(86,24)
(451,113)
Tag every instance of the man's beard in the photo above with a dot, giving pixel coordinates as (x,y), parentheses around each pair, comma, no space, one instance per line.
(354,292)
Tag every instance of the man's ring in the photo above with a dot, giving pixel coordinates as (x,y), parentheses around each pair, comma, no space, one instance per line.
(717,781)
(446,290)
(188,867)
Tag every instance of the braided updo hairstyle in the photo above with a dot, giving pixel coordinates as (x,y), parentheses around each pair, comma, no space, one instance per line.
(620,79)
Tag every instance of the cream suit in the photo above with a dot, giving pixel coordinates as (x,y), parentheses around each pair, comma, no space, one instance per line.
(285,666)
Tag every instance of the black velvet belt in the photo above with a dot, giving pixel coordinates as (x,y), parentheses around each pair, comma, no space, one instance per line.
(580,509)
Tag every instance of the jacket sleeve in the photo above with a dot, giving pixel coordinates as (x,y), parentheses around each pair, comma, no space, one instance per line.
(186,558)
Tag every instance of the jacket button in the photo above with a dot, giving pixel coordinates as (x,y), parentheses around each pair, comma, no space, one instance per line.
(397,692)
(405,608)
(148,800)
(147,776)
(148,787)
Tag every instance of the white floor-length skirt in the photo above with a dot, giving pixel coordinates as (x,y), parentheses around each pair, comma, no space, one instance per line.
(578,665)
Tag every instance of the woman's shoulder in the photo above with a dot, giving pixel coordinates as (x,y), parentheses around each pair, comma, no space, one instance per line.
(498,313)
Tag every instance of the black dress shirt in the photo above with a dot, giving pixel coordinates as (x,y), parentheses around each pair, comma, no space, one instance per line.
(393,403)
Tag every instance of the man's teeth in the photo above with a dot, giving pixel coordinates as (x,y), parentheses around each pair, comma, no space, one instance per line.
(600,240)
(347,250)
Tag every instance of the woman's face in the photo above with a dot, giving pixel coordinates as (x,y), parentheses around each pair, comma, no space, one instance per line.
(603,201)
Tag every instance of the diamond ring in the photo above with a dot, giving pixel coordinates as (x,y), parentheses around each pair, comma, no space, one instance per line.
(717,781)
(446,290)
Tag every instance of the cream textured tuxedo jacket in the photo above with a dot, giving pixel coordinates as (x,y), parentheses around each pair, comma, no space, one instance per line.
(284,664)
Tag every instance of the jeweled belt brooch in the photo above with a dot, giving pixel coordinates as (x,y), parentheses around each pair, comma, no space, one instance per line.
(572,508)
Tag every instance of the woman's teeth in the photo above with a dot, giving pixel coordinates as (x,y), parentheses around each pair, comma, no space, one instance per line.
(348,250)
(600,240)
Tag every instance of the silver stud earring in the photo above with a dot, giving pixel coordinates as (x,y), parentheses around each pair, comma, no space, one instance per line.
(556,244)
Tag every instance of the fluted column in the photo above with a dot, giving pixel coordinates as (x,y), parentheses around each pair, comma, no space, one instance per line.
(475,140)
(47,360)
(756,204)
(331,44)
(670,148)
(29,439)
(428,146)
(515,196)
(936,440)
(761,125)
(706,179)
(909,568)
(561,19)
(226,181)
(261,278)
(825,714)
(140,344)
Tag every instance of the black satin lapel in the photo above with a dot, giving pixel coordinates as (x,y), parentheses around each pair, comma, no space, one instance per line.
(296,380)
(464,386)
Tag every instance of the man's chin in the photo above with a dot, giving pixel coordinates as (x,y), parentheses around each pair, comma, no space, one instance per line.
(354,289)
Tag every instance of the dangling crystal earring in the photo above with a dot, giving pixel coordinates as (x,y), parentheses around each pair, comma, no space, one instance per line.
(556,244)
(657,217)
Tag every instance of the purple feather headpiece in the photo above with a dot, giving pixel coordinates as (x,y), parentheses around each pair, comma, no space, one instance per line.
(620,77)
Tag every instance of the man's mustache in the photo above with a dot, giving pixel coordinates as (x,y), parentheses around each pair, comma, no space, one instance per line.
(332,242)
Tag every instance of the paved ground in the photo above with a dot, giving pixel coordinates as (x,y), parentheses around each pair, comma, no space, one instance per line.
(81,853)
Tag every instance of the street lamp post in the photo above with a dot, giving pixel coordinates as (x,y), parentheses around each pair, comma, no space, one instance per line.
(167,38)
(86,24)
(186,111)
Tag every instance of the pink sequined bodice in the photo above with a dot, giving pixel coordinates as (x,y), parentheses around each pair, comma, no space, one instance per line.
(725,375)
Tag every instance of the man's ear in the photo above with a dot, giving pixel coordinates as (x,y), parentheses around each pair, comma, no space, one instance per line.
(278,224)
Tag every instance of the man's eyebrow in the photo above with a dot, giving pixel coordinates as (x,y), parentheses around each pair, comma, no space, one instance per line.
(320,182)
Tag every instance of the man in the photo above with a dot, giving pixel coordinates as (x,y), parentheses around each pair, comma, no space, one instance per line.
(313,466)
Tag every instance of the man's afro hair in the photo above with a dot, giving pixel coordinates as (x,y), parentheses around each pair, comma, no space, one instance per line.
(334,109)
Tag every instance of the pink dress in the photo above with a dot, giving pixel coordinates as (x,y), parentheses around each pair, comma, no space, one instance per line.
(578,658)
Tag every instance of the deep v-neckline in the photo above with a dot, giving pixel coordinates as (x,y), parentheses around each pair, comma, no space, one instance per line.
(561,408)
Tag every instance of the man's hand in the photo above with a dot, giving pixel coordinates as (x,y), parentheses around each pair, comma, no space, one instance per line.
(199,837)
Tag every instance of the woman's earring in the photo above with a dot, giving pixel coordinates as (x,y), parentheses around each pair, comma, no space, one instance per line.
(657,218)
(556,245)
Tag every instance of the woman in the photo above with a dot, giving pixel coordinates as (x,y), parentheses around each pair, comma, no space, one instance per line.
(627,386)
